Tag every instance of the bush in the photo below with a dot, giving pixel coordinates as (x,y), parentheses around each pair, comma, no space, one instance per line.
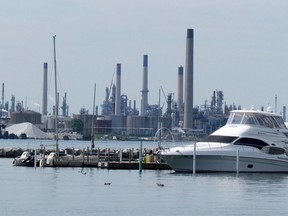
(23,136)
(12,136)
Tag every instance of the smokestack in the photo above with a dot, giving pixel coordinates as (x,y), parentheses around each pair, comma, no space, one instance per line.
(144,101)
(180,90)
(64,105)
(188,100)
(284,113)
(2,105)
(45,91)
(118,90)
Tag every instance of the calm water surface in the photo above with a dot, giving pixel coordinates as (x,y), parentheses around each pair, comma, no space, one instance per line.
(66,191)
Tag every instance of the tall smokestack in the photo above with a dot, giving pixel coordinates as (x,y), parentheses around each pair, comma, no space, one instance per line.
(188,101)
(144,101)
(284,113)
(45,91)
(180,90)
(118,90)
(2,105)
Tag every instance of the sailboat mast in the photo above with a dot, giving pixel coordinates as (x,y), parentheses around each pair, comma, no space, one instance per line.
(56,96)
(92,127)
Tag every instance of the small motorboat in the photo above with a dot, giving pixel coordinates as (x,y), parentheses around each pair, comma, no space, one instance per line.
(26,159)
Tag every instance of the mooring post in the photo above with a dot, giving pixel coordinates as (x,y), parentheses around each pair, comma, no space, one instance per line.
(120,156)
(129,155)
(44,152)
(194,159)
(83,155)
(88,154)
(35,158)
(73,153)
(140,158)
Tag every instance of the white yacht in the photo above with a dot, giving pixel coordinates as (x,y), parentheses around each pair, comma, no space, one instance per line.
(251,141)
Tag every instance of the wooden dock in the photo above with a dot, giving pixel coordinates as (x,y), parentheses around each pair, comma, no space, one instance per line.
(133,165)
(111,165)
(104,159)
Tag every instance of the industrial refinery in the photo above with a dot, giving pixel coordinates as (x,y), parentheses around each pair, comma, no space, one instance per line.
(122,118)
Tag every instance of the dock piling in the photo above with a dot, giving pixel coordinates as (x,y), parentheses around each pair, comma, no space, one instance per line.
(140,158)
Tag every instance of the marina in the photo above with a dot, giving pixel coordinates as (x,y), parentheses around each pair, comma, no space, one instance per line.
(88,191)
(121,155)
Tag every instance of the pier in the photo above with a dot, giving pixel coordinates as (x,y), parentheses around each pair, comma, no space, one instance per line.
(97,158)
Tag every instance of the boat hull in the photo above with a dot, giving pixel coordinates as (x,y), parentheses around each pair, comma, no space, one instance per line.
(23,162)
(226,163)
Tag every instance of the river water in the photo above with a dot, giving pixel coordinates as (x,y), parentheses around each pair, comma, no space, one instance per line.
(68,191)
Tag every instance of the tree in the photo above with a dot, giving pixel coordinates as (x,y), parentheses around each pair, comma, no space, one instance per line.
(77,125)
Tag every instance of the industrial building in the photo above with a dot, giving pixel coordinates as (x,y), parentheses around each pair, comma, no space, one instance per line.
(120,115)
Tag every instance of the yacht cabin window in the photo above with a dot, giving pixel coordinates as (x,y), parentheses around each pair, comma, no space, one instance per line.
(259,119)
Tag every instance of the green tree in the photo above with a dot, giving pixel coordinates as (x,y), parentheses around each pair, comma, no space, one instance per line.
(77,125)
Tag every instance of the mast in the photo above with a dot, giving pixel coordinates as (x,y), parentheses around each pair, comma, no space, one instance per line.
(92,127)
(56,97)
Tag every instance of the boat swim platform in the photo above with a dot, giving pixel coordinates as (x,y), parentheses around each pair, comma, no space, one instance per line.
(110,165)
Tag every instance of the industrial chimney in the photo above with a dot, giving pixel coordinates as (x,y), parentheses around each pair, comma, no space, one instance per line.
(180,90)
(2,104)
(118,90)
(188,100)
(45,91)
(144,101)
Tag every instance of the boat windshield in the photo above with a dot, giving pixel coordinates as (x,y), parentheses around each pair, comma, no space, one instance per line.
(269,121)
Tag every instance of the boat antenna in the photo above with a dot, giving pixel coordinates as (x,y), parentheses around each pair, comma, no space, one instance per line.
(56,97)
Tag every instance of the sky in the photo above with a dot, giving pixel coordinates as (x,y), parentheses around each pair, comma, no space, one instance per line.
(240,47)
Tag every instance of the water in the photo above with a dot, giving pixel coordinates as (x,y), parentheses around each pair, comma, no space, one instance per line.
(67,191)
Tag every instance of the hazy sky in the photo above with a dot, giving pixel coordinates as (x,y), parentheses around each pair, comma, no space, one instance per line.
(240,48)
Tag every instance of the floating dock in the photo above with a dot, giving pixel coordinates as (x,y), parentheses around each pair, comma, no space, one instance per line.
(111,165)
(104,159)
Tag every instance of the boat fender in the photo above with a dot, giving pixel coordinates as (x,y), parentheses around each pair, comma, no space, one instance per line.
(42,163)
(14,162)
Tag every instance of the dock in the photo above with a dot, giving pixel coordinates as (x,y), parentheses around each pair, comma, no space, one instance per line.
(111,165)
(98,158)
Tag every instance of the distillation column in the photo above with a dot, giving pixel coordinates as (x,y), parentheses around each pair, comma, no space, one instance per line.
(118,91)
